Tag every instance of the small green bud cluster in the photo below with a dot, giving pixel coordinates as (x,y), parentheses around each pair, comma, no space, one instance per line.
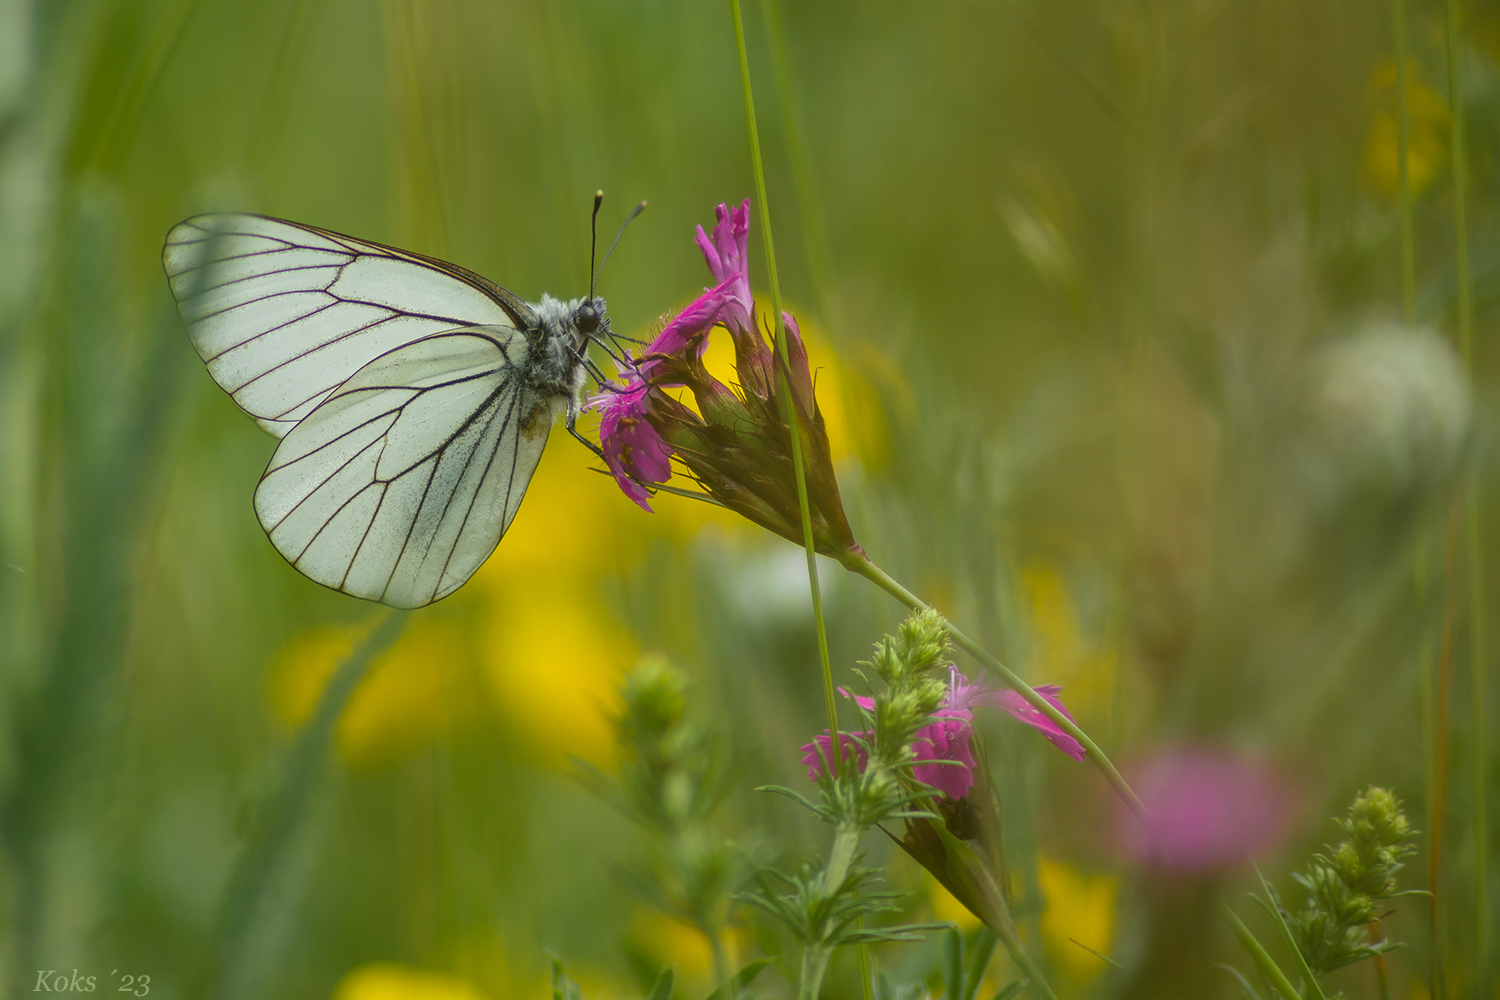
(908,663)
(670,781)
(1344,884)
(655,697)
(822,906)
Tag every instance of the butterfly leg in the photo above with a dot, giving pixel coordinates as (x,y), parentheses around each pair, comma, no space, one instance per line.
(591,446)
(571,420)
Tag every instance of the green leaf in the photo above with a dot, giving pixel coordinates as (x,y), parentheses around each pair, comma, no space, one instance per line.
(983,947)
(1259,955)
(1314,991)
(663,988)
(1239,978)
(1010,990)
(563,988)
(811,806)
(739,980)
(953,964)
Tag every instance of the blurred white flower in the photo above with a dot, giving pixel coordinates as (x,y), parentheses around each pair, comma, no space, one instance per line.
(1390,408)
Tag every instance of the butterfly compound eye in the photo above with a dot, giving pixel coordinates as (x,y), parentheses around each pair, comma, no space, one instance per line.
(586,318)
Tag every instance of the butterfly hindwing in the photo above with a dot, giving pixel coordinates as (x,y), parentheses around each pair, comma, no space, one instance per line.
(283,313)
(400,483)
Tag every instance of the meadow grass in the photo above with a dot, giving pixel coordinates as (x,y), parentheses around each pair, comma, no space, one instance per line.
(1091,296)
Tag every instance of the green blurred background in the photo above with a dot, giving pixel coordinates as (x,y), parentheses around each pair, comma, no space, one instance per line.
(1107,298)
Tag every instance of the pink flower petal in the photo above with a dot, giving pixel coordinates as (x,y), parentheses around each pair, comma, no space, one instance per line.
(965,694)
(868,704)
(727,259)
(1021,709)
(946,740)
(693,323)
(633,450)
(814,762)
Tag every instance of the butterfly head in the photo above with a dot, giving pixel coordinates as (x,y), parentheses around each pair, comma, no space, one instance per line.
(588,318)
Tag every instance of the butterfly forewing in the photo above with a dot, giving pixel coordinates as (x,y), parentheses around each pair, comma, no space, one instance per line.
(282,313)
(401,482)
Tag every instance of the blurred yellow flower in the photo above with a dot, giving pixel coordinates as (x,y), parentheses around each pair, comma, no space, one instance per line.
(1427,141)
(553,661)
(673,942)
(1061,653)
(1079,908)
(389,981)
(571,514)
(418,690)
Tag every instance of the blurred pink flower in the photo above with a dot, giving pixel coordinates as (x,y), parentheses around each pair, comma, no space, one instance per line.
(947,738)
(1206,809)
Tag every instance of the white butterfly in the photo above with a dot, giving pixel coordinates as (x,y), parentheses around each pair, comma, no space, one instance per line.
(412,397)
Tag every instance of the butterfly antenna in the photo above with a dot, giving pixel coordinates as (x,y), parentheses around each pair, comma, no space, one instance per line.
(594,238)
(633,213)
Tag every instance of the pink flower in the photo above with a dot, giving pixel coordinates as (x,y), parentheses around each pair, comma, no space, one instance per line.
(736,444)
(1206,809)
(947,738)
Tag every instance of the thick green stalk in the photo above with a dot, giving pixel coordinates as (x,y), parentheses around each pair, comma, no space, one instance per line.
(845,843)
(810,978)
(1460,195)
(1472,541)
(815,956)
(721,959)
(860,563)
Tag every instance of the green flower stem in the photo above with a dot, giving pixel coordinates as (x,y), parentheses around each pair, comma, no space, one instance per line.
(856,561)
(1473,544)
(794,426)
(845,843)
(814,964)
(1382,978)
(264,857)
(782,367)
(1403,167)
(814,235)
(1425,678)
(815,957)
(1260,956)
